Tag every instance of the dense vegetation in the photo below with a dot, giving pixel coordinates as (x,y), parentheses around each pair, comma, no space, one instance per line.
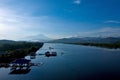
(18,49)
(115,45)
(87,40)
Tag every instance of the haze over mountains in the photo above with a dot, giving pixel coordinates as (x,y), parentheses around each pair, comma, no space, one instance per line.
(88,40)
(39,38)
(43,38)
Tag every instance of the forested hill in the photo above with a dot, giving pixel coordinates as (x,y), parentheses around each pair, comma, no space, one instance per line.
(6,42)
(88,40)
(110,42)
(17,49)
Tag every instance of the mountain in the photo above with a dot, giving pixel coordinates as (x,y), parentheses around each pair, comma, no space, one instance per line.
(88,40)
(6,41)
(39,38)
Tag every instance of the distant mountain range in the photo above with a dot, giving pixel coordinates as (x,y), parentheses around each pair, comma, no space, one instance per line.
(87,40)
(69,40)
(6,41)
(39,38)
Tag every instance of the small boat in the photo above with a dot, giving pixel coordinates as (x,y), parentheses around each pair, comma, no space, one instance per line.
(50,54)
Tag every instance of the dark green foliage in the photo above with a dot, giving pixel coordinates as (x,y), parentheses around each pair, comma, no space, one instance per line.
(18,45)
(19,49)
(104,45)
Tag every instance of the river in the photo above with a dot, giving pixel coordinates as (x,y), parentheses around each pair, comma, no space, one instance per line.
(73,62)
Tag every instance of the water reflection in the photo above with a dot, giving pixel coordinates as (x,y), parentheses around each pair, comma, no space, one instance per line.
(23,65)
(20,71)
(18,66)
(27,64)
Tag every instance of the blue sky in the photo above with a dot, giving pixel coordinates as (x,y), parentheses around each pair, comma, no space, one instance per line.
(59,18)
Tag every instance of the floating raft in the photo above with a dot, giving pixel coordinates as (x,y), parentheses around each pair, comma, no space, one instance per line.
(50,54)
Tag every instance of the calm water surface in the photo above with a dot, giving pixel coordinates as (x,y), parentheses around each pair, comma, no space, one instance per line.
(73,62)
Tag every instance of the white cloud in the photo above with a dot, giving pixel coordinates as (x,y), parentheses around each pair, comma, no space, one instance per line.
(112,21)
(77,1)
(14,26)
(103,32)
(17,26)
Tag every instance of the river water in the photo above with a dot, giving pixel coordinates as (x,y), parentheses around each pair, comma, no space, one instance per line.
(73,62)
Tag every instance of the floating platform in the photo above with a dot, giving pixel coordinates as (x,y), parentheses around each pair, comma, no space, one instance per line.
(48,54)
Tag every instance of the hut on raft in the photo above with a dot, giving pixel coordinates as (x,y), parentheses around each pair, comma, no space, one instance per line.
(20,63)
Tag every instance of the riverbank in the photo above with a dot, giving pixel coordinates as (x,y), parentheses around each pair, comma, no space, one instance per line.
(18,49)
(102,45)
